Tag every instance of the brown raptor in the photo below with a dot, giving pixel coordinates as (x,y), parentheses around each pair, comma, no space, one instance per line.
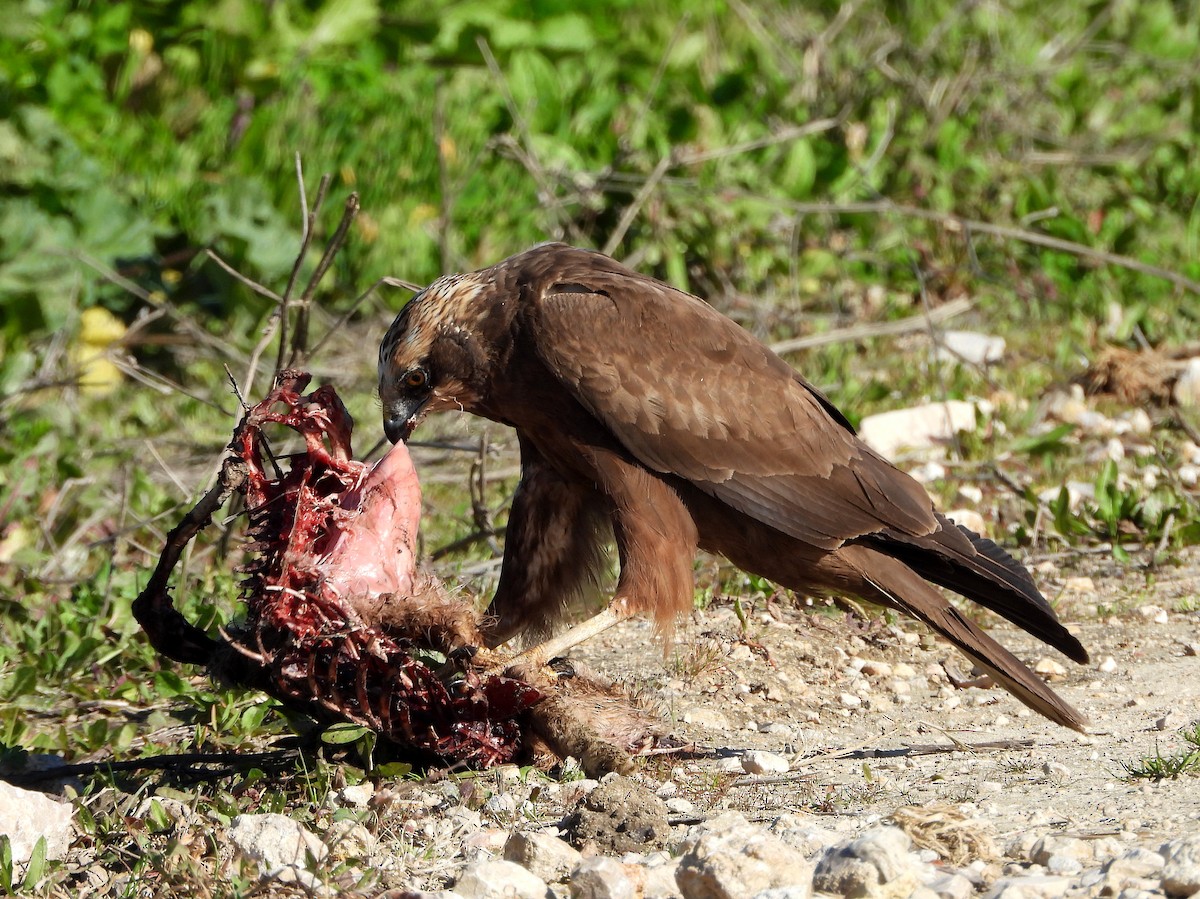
(646,417)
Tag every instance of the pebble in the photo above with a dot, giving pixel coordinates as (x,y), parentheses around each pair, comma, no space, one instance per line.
(1081,584)
(878,859)
(27,815)
(1186,391)
(1172,720)
(971,347)
(1108,666)
(758,761)
(499,879)
(1156,614)
(733,859)
(542,854)
(604,878)
(916,428)
(968,518)
(1181,873)
(710,718)
(275,841)
(1050,669)
(621,815)
(677,805)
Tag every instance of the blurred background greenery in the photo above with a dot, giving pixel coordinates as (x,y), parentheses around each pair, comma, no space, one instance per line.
(804,166)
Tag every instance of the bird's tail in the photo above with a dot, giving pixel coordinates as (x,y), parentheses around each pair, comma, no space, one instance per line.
(957,558)
(900,587)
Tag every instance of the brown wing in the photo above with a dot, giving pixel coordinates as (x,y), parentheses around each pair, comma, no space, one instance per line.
(689,392)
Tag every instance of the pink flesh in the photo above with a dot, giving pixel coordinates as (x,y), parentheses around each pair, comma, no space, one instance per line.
(374,550)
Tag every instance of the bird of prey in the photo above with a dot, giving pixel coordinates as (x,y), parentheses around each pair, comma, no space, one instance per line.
(646,417)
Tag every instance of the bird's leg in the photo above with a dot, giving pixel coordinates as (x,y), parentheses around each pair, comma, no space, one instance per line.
(537,657)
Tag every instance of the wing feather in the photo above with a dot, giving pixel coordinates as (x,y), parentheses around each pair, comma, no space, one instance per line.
(690,393)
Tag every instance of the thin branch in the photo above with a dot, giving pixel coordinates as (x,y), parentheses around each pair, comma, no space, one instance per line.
(876,329)
(300,333)
(309,218)
(259,289)
(961,223)
(635,206)
(345,316)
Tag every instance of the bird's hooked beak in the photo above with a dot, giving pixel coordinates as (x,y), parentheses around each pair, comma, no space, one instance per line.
(401,417)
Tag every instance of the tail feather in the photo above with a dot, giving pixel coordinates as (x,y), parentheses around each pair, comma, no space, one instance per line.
(984,573)
(902,588)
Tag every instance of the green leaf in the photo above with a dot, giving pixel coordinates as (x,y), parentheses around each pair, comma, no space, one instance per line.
(343,733)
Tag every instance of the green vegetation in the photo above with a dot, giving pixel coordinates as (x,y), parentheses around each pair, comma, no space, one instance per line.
(1171,765)
(805,168)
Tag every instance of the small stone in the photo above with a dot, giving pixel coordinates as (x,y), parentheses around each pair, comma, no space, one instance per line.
(950,885)
(27,815)
(916,428)
(1036,886)
(1186,392)
(710,718)
(1056,771)
(599,877)
(736,860)
(542,854)
(928,472)
(849,701)
(357,795)
(969,519)
(1134,865)
(971,347)
(348,839)
(758,761)
(1189,475)
(1191,649)
(903,669)
(499,879)
(1108,666)
(873,668)
(1172,720)
(1080,584)
(1050,669)
(731,765)
(1063,864)
(276,841)
(1181,873)
(677,805)
(878,863)
(1156,614)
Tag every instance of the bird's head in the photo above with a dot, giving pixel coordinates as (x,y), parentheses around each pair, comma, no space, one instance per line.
(435,355)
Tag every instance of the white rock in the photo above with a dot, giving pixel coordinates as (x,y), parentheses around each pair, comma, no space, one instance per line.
(276,841)
(758,761)
(710,718)
(1134,865)
(919,427)
(348,839)
(1157,614)
(1035,886)
(1050,669)
(1181,874)
(499,879)
(1079,585)
(731,765)
(950,885)
(738,860)
(969,519)
(1056,771)
(1077,492)
(849,700)
(928,472)
(678,805)
(357,795)
(542,854)
(603,878)
(27,815)
(1172,720)
(1109,665)
(1187,386)
(971,347)
(873,668)
(877,863)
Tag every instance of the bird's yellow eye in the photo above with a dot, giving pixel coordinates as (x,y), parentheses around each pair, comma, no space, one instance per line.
(416,378)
